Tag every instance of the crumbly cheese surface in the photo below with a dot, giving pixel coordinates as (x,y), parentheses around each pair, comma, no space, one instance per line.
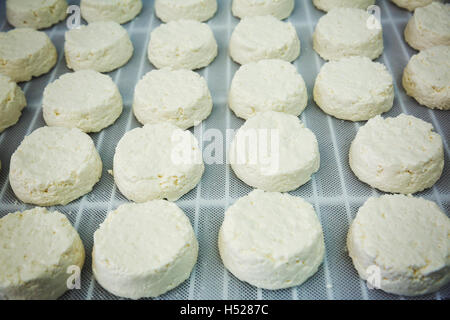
(406,240)
(182,44)
(271,240)
(85,99)
(264,37)
(36,14)
(429,27)
(180,97)
(144,250)
(267,85)
(427,77)
(411,5)
(26,53)
(397,155)
(280,9)
(12,102)
(120,11)
(54,166)
(345,32)
(199,10)
(158,161)
(36,249)
(273,151)
(100,46)
(327,5)
(354,88)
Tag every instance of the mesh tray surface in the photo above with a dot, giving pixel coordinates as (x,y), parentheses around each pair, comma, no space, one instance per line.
(334,191)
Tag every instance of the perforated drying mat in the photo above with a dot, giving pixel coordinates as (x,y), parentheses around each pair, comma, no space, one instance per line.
(334,191)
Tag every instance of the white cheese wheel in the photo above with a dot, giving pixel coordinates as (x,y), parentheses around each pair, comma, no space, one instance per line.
(401,245)
(411,5)
(199,10)
(144,250)
(397,155)
(327,5)
(280,9)
(273,151)
(26,53)
(85,99)
(267,85)
(429,26)
(271,240)
(180,97)
(35,14)
(427,77)
(354,88)
(54,166)
(120,11)
(264,37)
(345,32)
(100,46)
(39,251)
(12,102)
(182,44)
(158,161)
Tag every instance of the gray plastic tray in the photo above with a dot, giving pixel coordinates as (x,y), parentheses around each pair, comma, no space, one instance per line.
(334,191)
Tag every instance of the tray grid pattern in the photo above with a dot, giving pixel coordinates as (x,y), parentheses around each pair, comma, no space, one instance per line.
(334,191)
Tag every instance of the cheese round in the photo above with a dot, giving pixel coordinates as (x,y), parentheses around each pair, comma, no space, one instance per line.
(100,46)
(354,88)
(411,5)
(35,14)
(397,155)
(427,77)
(327,5)
(158,161)
(144,250)
(85,99)
(54,166)
(345,32)
(264,37)
(38,250)
(180,97)
(271,240)
(182,44)
(267,85)
(199,10)
(120,11)
(429,26)
(280,9)
(401,245)
(273,151)
(12,102)
(26,53)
